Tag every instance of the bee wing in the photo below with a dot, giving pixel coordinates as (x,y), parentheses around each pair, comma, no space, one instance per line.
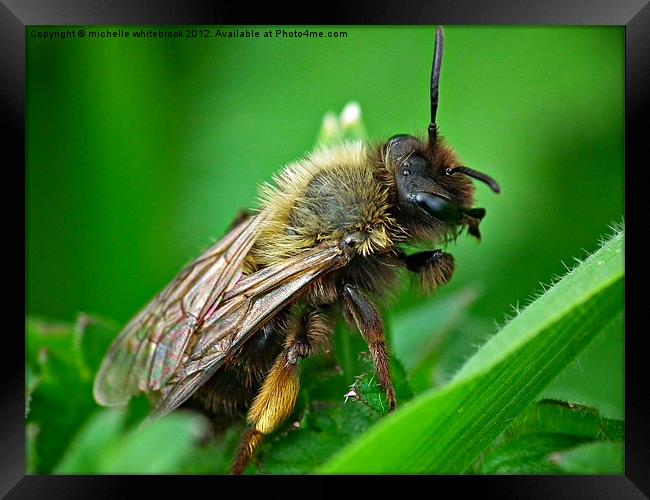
(245,308)
(151,346)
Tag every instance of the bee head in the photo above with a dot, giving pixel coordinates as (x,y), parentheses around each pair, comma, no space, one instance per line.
(434,193)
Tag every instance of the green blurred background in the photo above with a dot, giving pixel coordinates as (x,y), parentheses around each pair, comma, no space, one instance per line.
(141,151)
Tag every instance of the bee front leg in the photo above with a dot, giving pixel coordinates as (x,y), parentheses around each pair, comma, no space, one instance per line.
(371,325)
(434,268)
(277,397)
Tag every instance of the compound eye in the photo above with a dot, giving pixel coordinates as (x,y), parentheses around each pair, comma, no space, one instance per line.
(400,140)
(397,137)
(400,145)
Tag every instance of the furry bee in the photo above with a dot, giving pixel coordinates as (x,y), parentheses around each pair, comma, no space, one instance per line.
(226,336)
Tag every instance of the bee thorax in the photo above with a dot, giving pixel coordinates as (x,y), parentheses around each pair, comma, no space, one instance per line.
(333,195)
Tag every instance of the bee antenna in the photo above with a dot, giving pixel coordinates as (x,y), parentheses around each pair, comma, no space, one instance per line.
(435,78)
(494,185)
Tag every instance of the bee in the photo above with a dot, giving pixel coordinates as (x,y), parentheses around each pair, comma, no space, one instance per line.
(226,336)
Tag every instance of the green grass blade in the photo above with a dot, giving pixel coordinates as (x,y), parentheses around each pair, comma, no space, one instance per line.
(445,430)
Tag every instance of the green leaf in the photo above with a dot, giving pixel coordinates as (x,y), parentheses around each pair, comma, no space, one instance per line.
(368,391)
(445,430)
(158,447)
(591,458)
(418,332)
(213,456)
(90,443)
(61,361)
(325,423)
(324,429)
(461,343)
(103,447)
(529,454)
(435,338)
(31,383)
(31,436)
(566,418)
(600,388)
(116,440)
(545,429)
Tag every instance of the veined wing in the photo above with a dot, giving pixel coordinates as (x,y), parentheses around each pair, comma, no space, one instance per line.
(151,346)
(246,307)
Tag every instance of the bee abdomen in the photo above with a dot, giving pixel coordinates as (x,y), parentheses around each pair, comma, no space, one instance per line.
(227,395)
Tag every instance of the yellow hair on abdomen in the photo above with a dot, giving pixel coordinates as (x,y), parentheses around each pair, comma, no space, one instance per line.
(321,197)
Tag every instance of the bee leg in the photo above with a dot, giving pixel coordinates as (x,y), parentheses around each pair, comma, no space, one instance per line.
(371,325)
(435,268)
(277,397)
(307,334)
(272,405)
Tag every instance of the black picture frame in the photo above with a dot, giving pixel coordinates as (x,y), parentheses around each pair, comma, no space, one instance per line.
(16,15)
